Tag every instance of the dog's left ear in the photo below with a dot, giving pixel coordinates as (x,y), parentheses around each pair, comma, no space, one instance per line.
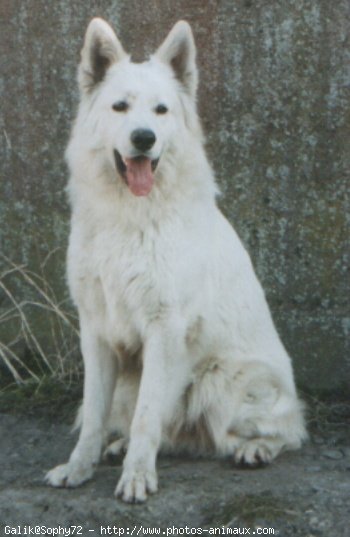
(179,51)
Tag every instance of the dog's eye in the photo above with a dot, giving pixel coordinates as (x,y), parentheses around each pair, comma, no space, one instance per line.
(120,106)
(161,109)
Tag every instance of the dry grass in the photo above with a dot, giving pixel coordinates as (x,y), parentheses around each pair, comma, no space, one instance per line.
(39,334)
(324,413)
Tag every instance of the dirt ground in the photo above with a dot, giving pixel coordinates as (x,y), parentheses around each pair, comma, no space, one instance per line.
(303,493)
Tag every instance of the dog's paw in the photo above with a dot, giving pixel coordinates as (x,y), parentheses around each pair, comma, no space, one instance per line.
(258,451)
(133,486)
(116,449)
(71,474)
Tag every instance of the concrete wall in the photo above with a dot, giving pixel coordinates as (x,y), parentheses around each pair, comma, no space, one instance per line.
(274,99)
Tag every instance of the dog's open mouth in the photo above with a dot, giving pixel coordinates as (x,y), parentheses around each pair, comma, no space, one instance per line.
(137,172)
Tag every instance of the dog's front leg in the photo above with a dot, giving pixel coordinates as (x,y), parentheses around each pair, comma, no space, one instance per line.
(164,375)
(99,382)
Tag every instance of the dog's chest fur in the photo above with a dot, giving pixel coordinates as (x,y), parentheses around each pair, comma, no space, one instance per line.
(123,278)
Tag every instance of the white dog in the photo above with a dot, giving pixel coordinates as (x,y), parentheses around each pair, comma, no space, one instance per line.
(179,348)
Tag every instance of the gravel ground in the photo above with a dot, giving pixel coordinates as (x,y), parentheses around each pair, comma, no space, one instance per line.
(303,493)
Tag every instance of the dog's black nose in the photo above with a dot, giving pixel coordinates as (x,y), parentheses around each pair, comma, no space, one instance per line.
(143,139)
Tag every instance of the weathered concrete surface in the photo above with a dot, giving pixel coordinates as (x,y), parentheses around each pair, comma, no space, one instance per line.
(304,493)
(274,99)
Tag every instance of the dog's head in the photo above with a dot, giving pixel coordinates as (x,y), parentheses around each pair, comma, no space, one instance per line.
(137,109)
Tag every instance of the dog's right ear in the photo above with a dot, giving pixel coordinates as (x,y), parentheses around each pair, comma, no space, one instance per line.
(101,50)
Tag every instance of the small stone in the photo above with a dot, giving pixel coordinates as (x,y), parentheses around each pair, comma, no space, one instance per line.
(333,454)
(318,440)
(314,468)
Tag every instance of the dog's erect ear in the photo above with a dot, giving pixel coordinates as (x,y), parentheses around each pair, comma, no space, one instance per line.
(101,49)
(179,51)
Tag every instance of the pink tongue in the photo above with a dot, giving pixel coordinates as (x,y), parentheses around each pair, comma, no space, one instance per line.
(139,175)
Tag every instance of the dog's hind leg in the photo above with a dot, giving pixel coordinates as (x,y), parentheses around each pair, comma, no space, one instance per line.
(100,374)
(275,427)
(251,414)
(116,449)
